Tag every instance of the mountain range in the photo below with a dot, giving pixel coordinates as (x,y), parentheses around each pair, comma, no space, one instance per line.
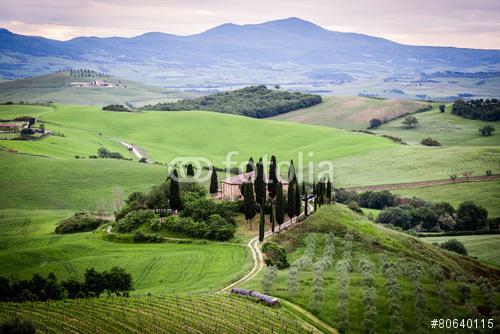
(280,51)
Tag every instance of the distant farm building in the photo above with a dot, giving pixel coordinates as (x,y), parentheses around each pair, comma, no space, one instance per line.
(231,187)
(10,127)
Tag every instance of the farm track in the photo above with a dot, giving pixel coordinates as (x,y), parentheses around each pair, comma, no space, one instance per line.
(421,184)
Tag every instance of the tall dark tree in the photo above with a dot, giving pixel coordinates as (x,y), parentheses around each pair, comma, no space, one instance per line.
(315,203)
(260,183)
(298,200)
(261,222)
(272,215)
(190,170)
(175,196)
(314,188)
(328,191)
(214,183)
(273,178)
(304,194)
(249,206)
(290,203)
(250,166)
(291,172)
(280,205)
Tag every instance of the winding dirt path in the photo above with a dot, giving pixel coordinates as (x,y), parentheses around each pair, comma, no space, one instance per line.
(134,149)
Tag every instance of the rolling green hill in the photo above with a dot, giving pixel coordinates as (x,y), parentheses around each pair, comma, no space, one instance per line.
(351,112)
(447,129)
(486,194)
(58,88)
(371,242)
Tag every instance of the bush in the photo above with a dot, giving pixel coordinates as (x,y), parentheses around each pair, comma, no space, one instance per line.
(135,219)
(275,255)
(430,142)
(17,326)
(345,196)
(103,152)
(375,123)
(397,217)
(215,228)
(79,222)
(453,245)
(355,207)
(487,130)
(141,237)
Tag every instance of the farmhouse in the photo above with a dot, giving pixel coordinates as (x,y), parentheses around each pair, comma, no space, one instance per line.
(9,127)
(230,188)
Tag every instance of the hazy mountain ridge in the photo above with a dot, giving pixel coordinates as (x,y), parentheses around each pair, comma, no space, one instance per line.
(280,51)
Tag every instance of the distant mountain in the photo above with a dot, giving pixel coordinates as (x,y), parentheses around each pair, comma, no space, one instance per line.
(276,51)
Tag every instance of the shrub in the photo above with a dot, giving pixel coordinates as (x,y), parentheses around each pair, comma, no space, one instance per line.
(375,123)
(17,326)
(453,245)
(442,107)
(79,222)
(103,152)
(355,207)
(395,216)
(219,229)
(395,139)
(487,130)
(345,196)
(135,219)
(141,237)
(269,278)
(430,142)
(275,255)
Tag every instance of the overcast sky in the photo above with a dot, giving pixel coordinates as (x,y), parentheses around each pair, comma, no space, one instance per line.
(462,23)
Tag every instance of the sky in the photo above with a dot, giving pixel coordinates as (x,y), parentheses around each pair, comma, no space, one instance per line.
(460,23)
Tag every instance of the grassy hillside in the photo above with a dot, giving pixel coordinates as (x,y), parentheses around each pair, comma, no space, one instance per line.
(447,129)
(483,247)
(172,314)
(351,112)
(486,194)
(371,242)
(359,159)
(57,87)
(30,246)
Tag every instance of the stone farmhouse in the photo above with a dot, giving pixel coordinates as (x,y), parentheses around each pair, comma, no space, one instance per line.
(230,188)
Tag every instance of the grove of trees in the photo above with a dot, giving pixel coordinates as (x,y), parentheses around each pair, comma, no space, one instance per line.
(484,110)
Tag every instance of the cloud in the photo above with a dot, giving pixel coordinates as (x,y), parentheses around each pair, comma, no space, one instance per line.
(429,22)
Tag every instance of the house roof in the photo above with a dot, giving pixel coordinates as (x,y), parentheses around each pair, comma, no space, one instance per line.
(240,178)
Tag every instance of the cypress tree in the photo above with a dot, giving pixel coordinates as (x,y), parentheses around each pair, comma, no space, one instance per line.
(273,178)
(315,203)
(190,170)
(329,191)
(314,188)
(175,198)
(271,216)
(280,205)
(248,201)
(261,222)
(291,172)
(214,184)
(260,183)
(290,203)
(250,165)
(298,201)
(304,193)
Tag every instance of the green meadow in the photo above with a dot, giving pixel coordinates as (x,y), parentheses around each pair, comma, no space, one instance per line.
(486,194)
(446,128)
(482,247)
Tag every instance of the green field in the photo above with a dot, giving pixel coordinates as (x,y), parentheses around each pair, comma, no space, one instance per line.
(29,245)
(359,159)
(486,194)
(370,242)
(483,247)
(171,314)
(446,128)
(351,112)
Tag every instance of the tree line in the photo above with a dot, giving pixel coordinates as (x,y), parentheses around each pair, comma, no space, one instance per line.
(484,110)
(38,288)
(253,101)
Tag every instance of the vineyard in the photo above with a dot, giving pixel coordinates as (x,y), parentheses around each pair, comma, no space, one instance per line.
(172,314)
